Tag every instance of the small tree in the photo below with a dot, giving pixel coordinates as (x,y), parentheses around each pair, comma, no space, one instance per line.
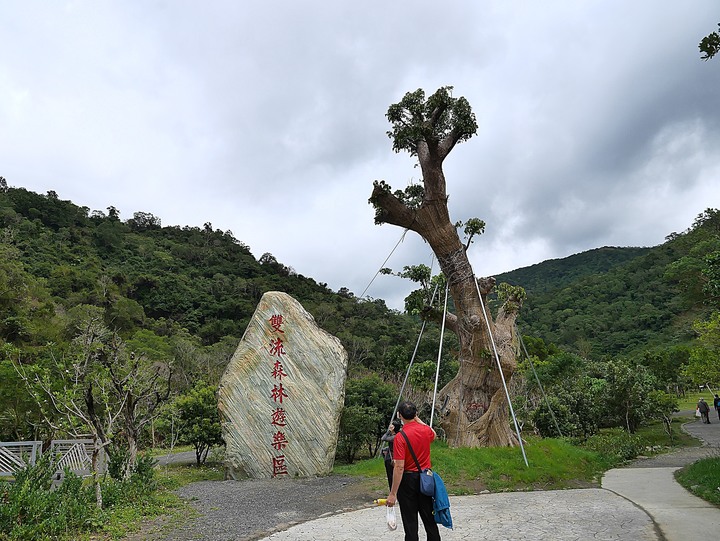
(373,398)
(628,388)
(358,427)
(199,419)
(75,394)
(662,406)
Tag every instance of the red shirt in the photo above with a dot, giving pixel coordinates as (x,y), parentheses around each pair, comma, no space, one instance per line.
(420,437)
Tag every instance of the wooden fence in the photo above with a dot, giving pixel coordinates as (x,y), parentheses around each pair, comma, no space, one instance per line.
(16,455)
(74,455)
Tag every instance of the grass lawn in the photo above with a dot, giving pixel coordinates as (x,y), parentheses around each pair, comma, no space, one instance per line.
(552,463)
(702,478)
(690,400)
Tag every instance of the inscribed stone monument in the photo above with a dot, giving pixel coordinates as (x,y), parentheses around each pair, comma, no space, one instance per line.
(282,394)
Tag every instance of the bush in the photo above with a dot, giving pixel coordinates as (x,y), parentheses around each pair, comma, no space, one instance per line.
(142,482)
(117,460)
(31,510)
(576,411)
(616,445)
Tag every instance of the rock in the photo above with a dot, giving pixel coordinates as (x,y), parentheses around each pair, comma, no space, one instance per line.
(282,394)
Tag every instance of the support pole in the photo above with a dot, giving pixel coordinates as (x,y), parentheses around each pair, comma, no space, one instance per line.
(486,315)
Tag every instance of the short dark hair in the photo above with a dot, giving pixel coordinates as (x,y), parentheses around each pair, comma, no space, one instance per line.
(407,410)
(397,425)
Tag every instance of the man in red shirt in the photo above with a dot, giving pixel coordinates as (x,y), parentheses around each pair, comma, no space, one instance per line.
(406,477)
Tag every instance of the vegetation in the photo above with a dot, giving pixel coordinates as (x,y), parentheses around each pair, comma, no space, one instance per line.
(31,510)
(97,313)
(199,420)
(555,463)
(710,45)
(702,478)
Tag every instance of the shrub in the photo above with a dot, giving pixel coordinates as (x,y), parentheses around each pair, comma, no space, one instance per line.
(117,460)
(32,510)
(616,445)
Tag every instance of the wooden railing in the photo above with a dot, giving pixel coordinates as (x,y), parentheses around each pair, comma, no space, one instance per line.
(74,455)
(16,455)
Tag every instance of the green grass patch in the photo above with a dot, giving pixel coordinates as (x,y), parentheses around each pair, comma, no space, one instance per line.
(690,400)
(656,437)
(157,452)
(552,464)
(702,478)
(124,519)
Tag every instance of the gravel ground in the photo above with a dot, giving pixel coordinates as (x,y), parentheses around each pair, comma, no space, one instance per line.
(253,509)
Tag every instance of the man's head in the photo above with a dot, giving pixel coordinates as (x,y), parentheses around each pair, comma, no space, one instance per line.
(407,410)
(397,425)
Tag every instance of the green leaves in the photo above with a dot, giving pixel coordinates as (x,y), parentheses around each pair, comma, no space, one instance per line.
(710,45)
(200,419)
(415,119)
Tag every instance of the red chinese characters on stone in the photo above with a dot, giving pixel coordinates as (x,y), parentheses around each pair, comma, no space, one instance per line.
(279,417)
(279,466)
(279,441)
(278,371)
(278,393)
(276,322)
(277,347)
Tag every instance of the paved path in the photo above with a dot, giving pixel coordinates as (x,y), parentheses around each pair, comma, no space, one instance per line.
(640,502)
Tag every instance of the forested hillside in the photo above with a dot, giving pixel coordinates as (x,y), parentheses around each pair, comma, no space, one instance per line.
(181,297)
(555,274)
(612,301)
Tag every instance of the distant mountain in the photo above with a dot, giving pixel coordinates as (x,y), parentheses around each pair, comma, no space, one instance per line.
(557,273)
(615,301)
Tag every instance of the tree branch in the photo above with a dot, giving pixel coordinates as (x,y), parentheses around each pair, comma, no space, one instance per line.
(390,210)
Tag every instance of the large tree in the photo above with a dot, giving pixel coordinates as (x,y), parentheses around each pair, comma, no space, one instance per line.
(474,410)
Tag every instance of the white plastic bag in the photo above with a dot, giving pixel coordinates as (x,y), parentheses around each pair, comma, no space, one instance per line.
(391,520)
(697,413)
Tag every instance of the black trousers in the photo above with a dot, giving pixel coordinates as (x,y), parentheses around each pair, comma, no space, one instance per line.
(413,503)
(389,469)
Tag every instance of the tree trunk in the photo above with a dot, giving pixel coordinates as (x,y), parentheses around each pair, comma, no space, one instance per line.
(131,434)
(474,410)
(97,447)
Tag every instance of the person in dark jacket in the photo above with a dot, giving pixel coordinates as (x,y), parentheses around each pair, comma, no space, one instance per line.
(704,410)
(389,437)
(716,403)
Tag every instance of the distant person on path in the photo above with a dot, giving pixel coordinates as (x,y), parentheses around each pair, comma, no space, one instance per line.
(406,477)
(704,410)
(389,436)
(716,403)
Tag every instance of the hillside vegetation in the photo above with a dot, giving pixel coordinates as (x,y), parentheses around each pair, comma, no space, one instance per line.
(616,301)
(184,295)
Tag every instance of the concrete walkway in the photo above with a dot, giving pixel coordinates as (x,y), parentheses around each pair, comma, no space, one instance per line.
(641,502)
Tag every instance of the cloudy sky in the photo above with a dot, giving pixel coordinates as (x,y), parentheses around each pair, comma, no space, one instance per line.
(598,122)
